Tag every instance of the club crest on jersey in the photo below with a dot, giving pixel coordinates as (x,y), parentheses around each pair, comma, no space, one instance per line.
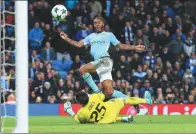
(97,42)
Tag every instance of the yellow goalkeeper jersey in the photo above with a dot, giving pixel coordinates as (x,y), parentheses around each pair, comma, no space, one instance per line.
(93,111)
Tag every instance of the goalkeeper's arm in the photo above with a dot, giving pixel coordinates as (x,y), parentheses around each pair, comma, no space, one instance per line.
(77,117)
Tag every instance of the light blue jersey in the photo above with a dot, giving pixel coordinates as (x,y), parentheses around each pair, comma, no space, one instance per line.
(100,43)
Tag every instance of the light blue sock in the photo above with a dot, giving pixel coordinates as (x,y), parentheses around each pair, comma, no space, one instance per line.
(88,78)
(118,94)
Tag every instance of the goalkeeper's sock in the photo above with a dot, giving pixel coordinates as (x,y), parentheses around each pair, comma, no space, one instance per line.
(88,78)
(118,94)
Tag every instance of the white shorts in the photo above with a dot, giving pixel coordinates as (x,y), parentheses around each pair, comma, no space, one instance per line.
(103,68)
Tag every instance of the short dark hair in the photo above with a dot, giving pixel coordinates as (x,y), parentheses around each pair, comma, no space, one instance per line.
(82,98)
(100,18)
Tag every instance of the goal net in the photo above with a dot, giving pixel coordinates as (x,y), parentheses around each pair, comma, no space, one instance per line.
(13,67)
(7,66)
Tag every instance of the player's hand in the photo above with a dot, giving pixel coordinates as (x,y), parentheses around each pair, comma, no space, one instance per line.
(67,106)
(140,48)
(63,35)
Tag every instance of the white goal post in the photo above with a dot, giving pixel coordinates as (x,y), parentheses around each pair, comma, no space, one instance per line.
(21,32)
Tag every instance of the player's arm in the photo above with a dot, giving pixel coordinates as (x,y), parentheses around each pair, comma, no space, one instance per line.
(79,118)
(70,41)
(131,47)
(121,46)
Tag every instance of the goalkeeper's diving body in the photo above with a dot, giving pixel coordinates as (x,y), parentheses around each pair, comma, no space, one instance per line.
(95,110)
(102,64)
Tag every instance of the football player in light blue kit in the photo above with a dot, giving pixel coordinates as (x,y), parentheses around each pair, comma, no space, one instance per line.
(100,42)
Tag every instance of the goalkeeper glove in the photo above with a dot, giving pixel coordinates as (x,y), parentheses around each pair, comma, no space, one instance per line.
(68,108)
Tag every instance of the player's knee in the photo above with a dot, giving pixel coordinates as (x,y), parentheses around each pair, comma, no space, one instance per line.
(82,70)
(108,88)
(109,93)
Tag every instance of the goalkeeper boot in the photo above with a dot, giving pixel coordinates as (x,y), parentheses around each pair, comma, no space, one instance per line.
(148,98)
(128,119)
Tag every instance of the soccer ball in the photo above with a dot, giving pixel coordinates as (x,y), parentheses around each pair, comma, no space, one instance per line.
(59,12)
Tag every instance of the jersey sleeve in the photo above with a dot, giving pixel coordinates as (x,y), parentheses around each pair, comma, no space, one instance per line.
(86,40)
(80,117)
(101,96)
(114,40)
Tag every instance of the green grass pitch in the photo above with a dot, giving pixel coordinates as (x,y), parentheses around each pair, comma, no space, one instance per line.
(142,124)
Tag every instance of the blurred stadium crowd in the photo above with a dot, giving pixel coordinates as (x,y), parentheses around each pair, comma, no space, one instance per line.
(166,27)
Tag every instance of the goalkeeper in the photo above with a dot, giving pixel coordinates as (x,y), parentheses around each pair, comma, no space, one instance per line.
(95,110)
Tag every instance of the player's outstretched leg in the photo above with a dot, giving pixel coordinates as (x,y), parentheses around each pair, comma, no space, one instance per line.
(110,92)
(134,100)
(118,94)
(84,71)
(88,78)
